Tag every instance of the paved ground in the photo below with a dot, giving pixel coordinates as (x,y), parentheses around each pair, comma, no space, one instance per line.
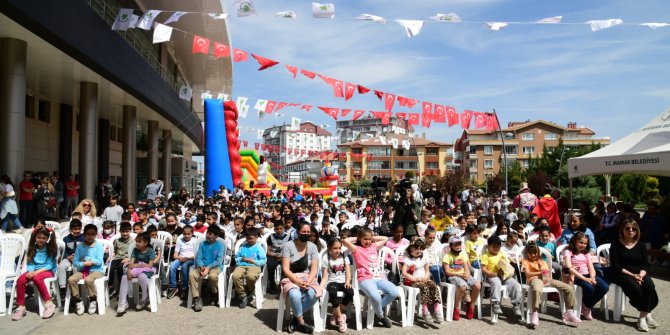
(175,319)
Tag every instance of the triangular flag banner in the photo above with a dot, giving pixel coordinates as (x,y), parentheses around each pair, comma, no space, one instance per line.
(241,101)
(240,56)
(244,8)
(245,143)
(379,94)
(281,105)
(133,21)
(389,100)
(394,143)
(261,104)
(330,111)
(382,140)
(221,50)
(373,18)
(491,122)
(440,115)
(270,106)
(323,10)
(185,93)
(244,111)
(122,21)
(162,33)
(452,116)
(174,17)
(603,24)
(480,120)
(427,107)
(295,123)
(401,115)
(289,14)
(406,145)
(426,118)
(495,26)
(306,108)
(450,17)
(293,70)
(466,117)
(357,114)
(410,103)
(200,45)
(147,20)
(412,27)
(218,16)
(654,25)
(308,74)
(259,134)
(349,91)
(362,89)
(345,112)
(413,119)
(338,88)
(264,62)
(553,19)
(402,101)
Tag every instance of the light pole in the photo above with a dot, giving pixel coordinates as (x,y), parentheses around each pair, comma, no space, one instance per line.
(504,151)
(560,164)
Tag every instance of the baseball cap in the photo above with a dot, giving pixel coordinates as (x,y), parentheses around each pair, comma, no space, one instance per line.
(450,230)
(454,239)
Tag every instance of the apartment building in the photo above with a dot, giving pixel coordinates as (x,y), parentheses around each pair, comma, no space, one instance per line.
(309,137)
(369,126)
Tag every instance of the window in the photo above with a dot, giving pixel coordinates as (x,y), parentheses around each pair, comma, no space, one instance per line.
(488,164)
(112,133)
(356,151)
(30,107)
(379,165)
(44,111)
(432,165)
(528,150)
(356,165)
(528,136)
(380,151)
(488,176)
(406,153)
(405,165)
(511,149)
(473,176)
(551,149)
(473,149)
(119,135)
(524,164)
(431,151)
(488,150)
(473,164)
(550,136)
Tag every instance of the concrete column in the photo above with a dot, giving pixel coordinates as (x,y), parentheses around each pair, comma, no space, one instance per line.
(88,138)
(167,160)
(128,154)
(103,149)
(12,106)
(65,142)
(153,149)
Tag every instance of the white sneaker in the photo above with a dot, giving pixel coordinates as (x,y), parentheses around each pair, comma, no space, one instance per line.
(19,231)
(141,304)
(651,322)
(642,325)
(122,307)
(92,307)
(80,308)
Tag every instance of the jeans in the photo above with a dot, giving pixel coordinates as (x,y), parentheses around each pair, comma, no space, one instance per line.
(513,290)
(591,294)
(27,212)
(371,288)
(184,273)
(70,204)
(437,273)
(301,300)
(15,220)
(38,280)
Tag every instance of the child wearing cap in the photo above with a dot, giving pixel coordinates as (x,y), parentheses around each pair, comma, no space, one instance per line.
(457,268)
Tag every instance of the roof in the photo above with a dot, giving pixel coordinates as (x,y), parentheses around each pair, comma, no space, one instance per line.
(305,127)
(515,126)
(415,141)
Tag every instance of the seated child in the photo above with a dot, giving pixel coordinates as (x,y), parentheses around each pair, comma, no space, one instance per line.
(71,240)
(431,250)
(336,277)
(208,261)
(88,260)
(275,244)
(396,241)
(416,274)
(137,228)
(441,221)
(472,242)
(544,241)
(495,269)
(184,256)
(328,231)
(40,265)
(457,268)
(200,224)
(120,259)
(140,266)
(250,259)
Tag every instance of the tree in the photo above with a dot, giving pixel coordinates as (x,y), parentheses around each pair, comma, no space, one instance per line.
(495,184)
(537,180)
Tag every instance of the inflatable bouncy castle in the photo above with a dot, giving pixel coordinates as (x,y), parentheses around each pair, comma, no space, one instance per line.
(222,156)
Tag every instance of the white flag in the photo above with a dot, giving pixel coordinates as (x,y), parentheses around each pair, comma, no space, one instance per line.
(654,25)
(133,21)
(553,19)
(495,26)
(175,17)
(355,134)
(603,24)
(204,96)
(244,110)
(218,16)
(412,27)
(405,144)
(394,143)
(373,18)
(245,8)
(273,133)
(224,97)
(162,33)
(241,101)
(259,134)
(185,93)
(382,139)
(289,14)
(122,21)
(261,104)
(323,10)
(260,114)
(147,19)
(450,17)
(295,123)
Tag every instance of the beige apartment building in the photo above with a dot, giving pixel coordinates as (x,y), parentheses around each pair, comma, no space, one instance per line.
(479,151)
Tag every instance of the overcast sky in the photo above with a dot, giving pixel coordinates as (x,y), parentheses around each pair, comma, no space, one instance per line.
(612,80)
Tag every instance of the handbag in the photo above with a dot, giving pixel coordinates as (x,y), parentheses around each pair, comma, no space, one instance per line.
(505,269)
(51,202)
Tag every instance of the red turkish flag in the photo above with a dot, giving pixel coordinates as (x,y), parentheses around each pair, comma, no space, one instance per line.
(426,117)
(362,89)
(480,120)
(389,100)
(345,112)
(245,143)
(306,107)
(402,101)
(491,122)
(270,106)
(200,45)
(349,90)
(308,74)
(379,94)
(452,116)
(413,119)
(221,50)
(466,117)
(240,55)
(358,113)
(385,116)
(411,102)
(331,111)
(338,88)
(281,105)
(264,62)
(292,69)
(256,145)
(440,115)
(401,115)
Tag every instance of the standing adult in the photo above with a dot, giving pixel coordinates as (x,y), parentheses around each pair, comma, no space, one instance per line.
(26,208)
(435,194)
(71,195)
(547,208)
(404,214)
(59,193)
(629,266)
(46,200)
(525,199)
(102,194)
(151,190)
(9,210)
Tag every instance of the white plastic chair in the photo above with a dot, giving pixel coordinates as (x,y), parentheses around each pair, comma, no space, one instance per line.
(101,291)
(11,247)
(412,293)
(479,275)
(619,303)
(153,288)
(356,301)
(545,291)
(52,283)
(199,236)
(54,225)
(258,288)
(527,231)
(221,287)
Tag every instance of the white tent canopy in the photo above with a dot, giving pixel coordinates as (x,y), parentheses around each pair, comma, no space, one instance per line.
(646,151)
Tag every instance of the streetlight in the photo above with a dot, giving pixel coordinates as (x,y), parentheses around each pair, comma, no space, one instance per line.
(504,150)
(560,164)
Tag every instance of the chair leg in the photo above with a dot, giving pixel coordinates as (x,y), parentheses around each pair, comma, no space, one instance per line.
(280,312)
(100,295)
(229,293)
(154,293)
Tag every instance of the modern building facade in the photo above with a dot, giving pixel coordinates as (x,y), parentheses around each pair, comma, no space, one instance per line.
(294,144)
(479,151)
(79,98)
(371,157)
(369,126)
